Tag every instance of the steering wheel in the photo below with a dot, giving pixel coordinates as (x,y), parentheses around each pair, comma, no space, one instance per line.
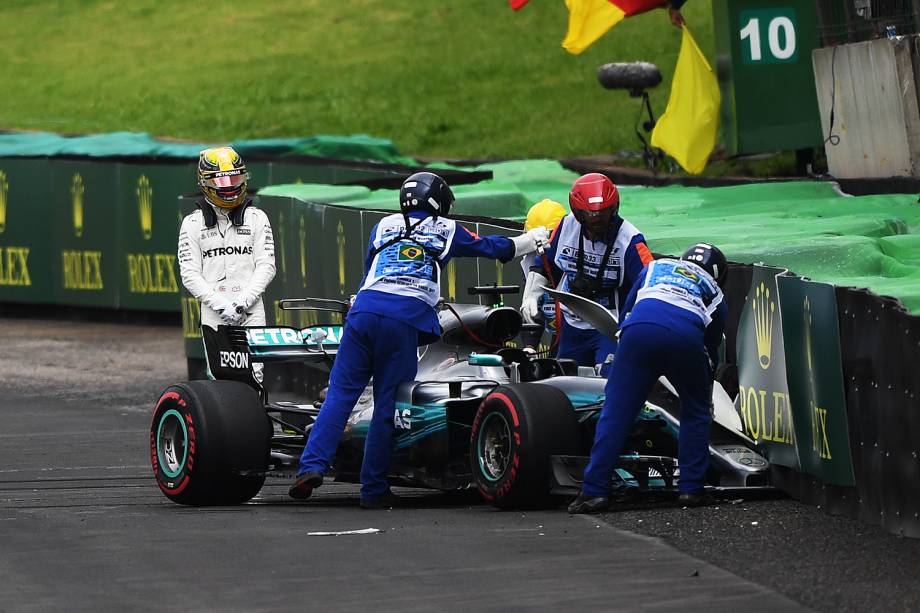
(526,366)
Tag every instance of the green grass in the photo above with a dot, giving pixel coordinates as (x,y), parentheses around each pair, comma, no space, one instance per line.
(448,78)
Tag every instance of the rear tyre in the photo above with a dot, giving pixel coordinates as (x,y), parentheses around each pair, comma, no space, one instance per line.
(209,442)
(516,430)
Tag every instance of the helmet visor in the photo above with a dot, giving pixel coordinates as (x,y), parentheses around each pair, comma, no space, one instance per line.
(595,223)
(225,181)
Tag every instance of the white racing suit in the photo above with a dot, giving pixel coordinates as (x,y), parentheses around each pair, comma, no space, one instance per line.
(232,260)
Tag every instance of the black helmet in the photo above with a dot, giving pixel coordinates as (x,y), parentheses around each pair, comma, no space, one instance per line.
(709,258)
(425,191)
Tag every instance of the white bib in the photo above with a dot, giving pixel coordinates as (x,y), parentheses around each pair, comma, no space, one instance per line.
(411,266)
(567,254)
(682,284)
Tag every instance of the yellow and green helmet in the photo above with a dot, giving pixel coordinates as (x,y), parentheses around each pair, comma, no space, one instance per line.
(222,177)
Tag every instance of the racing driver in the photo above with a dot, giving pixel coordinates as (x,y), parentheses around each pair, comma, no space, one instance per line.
(226,250)
(392,315)
(593,253)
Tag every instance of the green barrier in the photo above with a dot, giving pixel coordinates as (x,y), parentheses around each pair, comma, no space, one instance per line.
(327,194)
(807,227)
(815,378)
(327,173)
(260,175)
(148,227)
(26,249)
(84,217)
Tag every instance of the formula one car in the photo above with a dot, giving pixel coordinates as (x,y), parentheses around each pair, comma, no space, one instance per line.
(480,414)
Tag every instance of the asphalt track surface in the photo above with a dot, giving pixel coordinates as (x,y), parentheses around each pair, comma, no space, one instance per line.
(84,527)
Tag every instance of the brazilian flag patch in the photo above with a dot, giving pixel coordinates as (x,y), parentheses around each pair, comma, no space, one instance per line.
(410,253)
(680,270)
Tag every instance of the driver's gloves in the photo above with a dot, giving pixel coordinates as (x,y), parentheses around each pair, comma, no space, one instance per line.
(233,314)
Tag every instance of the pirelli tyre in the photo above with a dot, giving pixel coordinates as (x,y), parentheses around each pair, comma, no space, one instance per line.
(209,442)
(515,431)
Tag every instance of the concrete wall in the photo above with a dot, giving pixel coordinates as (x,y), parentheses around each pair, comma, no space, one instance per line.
(872,89)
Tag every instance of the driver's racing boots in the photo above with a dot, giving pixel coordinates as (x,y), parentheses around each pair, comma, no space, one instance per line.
(305,484)
(589,504)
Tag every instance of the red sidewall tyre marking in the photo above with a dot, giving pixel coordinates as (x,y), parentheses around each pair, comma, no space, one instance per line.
(173,486)
(506,482)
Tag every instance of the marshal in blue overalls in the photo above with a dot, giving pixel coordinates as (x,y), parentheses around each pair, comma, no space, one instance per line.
(393,314)
(675,317)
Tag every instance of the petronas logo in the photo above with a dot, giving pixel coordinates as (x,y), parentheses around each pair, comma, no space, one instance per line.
(144,194)
(303,251)
(4,190)
(763,324)
(76,201)
(452,281)
(340,241)
(808,344)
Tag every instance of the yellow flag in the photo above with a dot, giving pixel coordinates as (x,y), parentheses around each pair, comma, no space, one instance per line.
(687,130)
(588,21)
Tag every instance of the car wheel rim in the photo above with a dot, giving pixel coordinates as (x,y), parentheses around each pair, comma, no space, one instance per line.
(172,443)
(494,446)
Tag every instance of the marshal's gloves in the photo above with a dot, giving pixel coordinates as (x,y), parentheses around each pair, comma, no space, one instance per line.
(530,302)
(530,241)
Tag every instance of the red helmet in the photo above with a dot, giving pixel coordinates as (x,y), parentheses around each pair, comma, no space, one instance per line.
(594,192)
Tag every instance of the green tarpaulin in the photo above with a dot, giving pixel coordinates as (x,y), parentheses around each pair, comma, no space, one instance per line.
(809,228)
(139,144)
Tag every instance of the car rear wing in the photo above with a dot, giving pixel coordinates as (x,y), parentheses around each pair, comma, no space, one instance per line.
(230,350)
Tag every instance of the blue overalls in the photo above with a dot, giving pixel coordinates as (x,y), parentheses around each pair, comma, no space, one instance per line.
(675,317)
(393,314)
(616,262)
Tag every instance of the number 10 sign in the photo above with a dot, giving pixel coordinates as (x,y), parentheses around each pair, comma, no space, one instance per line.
(768,36)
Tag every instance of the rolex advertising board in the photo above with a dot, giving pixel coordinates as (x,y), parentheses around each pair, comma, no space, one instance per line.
(148,228)
(763,397)
(300,261)
(342,245)
(460,274)
(278,211)
(190,307)
(26,251)
(85,268)
(815,379)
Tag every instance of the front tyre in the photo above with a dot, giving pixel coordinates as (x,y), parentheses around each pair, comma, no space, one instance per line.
(209,442)
(516,430)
